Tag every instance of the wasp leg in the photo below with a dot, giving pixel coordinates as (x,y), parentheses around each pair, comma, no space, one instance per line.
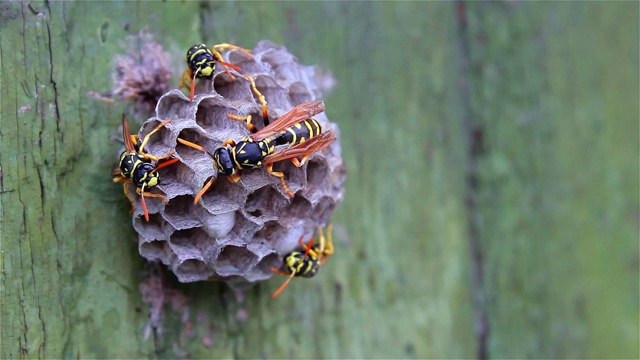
(281,176)
(196,146)
(191,145)
(246,119)
(142,194)
(235,177)
(158,158)
(216,54)
(186,76)
(126,193)
(124,181)
(221,47)
(283,286)
(192,89)
(228,142)
(133,203)
(118,175)
(307,247)
(162,197)
(326,246)
(221,61)
(299,163)
(146,139)
(166,163)
(278,271)
(204,189)
(231,47)
(261,98)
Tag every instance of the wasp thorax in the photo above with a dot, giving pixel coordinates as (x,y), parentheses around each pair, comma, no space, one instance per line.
(249,154)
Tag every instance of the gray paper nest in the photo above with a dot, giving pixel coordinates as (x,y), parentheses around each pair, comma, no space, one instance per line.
(237,232)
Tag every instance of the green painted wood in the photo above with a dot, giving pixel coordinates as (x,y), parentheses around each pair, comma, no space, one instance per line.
(555,89)
(551,87)
(70,270)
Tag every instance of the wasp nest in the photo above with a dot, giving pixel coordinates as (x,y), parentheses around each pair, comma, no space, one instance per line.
(237,231)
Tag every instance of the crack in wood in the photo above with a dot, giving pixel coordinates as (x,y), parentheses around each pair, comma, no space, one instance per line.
(475,149)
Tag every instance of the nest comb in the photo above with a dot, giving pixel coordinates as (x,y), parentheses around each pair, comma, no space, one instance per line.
(237,231)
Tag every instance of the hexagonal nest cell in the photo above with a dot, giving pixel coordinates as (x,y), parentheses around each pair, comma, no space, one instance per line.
(237,231)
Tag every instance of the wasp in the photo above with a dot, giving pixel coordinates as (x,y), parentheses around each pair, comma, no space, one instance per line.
(138,167)
(202,61)
(297,130)
(305,263)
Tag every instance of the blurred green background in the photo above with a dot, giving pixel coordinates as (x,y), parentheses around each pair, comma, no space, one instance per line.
(491,208)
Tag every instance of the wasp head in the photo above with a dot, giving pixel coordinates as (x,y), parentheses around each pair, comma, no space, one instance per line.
(201,60)
(144,173)
(223,162)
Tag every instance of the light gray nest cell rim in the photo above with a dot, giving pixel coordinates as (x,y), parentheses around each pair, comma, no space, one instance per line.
(237,232)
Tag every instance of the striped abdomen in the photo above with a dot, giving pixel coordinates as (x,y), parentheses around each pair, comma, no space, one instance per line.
(299,132)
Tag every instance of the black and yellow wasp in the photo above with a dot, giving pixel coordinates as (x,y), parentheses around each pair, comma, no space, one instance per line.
(138,167)
(305,263)
(202,62)
(297,130)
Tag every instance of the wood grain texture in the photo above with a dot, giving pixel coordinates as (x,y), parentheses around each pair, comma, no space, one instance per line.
(555,93)
(549,93)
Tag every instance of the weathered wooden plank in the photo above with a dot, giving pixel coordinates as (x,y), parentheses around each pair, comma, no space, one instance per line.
(70,271)
(555,92)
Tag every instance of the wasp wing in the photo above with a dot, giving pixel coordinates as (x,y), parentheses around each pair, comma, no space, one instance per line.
(299,113)
(308,147)
(126,135)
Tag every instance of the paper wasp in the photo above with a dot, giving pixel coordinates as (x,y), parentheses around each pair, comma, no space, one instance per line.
(305,263)
(138,167)
(296,129)
(202,62)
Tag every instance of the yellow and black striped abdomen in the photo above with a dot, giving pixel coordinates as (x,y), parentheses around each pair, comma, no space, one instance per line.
(299,132)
